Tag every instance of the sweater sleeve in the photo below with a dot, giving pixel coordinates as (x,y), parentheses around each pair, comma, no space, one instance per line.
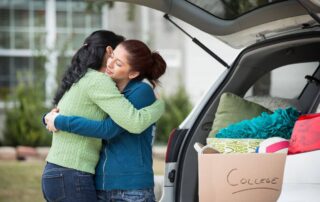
(106,129)
(105,94)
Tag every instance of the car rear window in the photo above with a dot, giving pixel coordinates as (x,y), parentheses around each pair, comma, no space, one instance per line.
(230,9)
(285,82)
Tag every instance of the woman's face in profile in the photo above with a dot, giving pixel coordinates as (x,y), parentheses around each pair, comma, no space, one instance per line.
(118,67)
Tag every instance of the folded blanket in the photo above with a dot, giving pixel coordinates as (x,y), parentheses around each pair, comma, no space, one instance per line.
(228,145)
(278,124)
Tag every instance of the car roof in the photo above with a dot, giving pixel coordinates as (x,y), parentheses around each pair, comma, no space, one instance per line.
(246,29)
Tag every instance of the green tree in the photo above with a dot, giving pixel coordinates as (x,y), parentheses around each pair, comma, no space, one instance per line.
(177,108)
(23,119)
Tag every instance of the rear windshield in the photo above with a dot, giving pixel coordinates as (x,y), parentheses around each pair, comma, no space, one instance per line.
(230,9)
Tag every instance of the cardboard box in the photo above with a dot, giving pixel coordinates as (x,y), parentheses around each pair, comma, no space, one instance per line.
(240,177)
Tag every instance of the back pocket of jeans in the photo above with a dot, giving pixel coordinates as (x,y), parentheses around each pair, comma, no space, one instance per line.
(85,182)
(134,196)
(53,187)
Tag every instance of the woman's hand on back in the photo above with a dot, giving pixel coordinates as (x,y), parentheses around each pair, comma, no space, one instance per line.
(49,119)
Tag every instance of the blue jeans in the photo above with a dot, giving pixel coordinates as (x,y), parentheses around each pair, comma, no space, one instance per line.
(67,185)
(136,195)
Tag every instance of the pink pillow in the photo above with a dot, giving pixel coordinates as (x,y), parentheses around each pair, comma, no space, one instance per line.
(306,134)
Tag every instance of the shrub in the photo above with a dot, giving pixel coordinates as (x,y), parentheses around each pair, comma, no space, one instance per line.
(23,124)
(177,108)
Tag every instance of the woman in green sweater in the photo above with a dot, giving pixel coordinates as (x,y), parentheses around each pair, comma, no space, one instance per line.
(86,91)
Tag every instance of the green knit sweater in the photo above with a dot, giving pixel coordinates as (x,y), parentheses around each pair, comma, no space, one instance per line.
(95,96)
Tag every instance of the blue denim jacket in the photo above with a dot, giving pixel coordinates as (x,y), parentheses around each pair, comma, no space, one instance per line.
(125,159)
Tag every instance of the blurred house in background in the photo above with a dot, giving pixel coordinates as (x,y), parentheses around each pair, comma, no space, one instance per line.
(41,36)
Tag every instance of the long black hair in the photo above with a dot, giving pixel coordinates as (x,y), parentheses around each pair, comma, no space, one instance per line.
(90,55)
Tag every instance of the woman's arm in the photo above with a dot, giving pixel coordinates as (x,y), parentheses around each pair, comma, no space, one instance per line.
(105,94)
(140,96)
(105,129)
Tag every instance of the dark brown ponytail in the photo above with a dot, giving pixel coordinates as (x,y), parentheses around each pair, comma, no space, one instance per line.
(150,65)
(157,70)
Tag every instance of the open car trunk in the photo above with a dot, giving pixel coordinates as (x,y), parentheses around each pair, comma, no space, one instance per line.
(251,64)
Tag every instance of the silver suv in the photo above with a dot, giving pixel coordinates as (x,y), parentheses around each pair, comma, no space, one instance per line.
(281,47)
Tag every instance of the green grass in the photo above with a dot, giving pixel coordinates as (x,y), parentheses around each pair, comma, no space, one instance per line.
(20,181)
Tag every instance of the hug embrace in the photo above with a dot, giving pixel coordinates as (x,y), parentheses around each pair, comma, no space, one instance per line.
(103,125)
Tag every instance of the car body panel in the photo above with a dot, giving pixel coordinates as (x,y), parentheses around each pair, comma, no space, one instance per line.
(301,183)
(279,17)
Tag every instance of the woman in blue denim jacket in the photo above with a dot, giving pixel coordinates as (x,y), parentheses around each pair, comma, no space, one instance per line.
(124,171)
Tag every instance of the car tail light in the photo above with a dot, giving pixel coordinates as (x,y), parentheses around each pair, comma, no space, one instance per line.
(169,145)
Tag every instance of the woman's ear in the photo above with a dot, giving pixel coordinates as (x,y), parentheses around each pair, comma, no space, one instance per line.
(109,50)
(133,74)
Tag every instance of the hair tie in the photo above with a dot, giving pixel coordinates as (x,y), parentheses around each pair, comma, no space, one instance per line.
(85,44)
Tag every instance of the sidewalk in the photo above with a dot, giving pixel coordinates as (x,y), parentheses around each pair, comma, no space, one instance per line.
(40,153)
(23,153)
